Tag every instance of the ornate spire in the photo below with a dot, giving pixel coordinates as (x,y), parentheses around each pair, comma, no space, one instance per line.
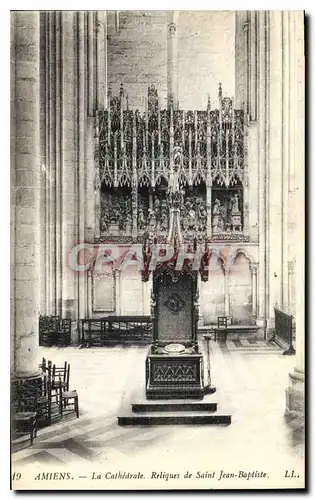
(220,92)
(209,104)
(175,198)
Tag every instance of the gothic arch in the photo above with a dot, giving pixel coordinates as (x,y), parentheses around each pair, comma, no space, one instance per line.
(212,292)
(215,257)
(161,178)
(233,254)
(240,288)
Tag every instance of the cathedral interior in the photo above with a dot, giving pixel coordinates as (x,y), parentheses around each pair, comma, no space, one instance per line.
(110,111)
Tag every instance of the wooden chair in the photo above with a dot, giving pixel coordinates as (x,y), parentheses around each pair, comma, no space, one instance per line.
(44,402)
(63,333)
(48,404)
(69,403)
(47,330)
(43,365)
(61,377)
(220,333)
(24,417)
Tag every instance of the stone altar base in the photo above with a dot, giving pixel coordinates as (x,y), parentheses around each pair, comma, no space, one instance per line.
(172,376)
(174,413)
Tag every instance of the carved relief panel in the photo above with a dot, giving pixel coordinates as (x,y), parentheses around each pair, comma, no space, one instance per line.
(175,298)
(194,212)
(227,209)
(135,162)
(116,211)
(153,209)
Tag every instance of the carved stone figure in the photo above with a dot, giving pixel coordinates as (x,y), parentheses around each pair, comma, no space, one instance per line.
(235,204)
(127,216)
(114,214)
(156,205)
(174,181)
(202,216)
(194,215)
(192,219)
(104,222)
(152,220)
(163,220)
(217,207)
(141,220)
(217,220)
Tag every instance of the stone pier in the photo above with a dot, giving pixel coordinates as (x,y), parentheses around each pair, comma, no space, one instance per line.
(295,102)
(25,206)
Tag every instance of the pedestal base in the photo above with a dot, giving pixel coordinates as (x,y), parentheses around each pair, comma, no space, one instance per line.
(174,376)
(295,405)
(26,384)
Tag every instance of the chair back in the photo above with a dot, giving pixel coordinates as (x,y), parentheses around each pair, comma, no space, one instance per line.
(43,365)
(222,322)
(61,375)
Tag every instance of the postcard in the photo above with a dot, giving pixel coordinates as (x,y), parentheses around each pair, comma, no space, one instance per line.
(157,257)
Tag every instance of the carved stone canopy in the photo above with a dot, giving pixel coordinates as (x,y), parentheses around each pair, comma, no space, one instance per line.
(136,147)
(152,161)
(184,260)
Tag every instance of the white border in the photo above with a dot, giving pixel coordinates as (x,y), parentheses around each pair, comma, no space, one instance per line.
(5,180)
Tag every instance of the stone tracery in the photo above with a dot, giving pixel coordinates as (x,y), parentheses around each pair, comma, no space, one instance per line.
(140,150)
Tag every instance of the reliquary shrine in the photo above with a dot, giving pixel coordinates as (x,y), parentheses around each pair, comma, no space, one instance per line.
(134,164)
(134,167)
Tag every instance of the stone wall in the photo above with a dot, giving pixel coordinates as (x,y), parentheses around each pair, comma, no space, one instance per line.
(206,56)
(210,50)
(232,286)
(25,193)
(137,56)
(73,86)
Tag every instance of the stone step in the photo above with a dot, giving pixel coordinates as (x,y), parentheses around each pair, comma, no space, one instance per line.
(173,406)
(179,418)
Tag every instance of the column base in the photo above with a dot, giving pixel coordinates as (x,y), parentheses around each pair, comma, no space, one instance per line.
(201,320)
(261,322)
(229,320)
(270,324)
(295,395)
(31,382)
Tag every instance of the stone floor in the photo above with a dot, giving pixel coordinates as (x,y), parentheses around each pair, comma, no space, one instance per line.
(251,382)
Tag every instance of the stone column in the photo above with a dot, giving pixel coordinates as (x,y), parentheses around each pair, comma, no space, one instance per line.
(291,283)
(296,388)
(226,292)
(245,102)
(134,202)
(117,292)
(146,291)
(253,268)
(252,73)
(274,208)
(69,168)
(89,294)
(172,59)
(262,170)
(90,69)
(26,289)
(101,59)
(82,178)
(241,59)
(209,210)
(90,180)
(286,114)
